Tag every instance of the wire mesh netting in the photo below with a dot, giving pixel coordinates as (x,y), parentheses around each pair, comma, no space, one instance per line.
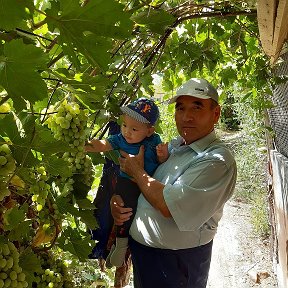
(279,114)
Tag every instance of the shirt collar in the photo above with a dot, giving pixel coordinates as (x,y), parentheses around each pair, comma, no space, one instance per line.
(198,145)
(201,144)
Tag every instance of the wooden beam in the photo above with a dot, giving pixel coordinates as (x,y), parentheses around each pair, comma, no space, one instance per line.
(281,29)
(266,11)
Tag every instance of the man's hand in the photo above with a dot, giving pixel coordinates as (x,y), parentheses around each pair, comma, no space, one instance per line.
(119,213)
(130,164)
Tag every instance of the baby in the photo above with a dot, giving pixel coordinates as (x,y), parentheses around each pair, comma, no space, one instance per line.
(137,129)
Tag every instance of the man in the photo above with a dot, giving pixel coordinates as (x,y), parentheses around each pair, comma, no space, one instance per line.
(180,206)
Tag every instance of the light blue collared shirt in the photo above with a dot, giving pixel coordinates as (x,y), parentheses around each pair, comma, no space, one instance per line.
(199,178)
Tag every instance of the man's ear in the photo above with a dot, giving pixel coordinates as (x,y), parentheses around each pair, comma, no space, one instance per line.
(217,113)
(151,130)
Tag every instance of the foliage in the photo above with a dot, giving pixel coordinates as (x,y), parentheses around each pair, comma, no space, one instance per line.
(251,156)
(98,55)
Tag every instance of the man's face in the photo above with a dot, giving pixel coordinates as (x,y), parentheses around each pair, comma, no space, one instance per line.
(195,118)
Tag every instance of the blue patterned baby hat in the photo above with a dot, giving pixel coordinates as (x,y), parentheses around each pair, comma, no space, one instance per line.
(143,110)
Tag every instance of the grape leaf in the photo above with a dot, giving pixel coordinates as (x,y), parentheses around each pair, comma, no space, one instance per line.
(12,217)
(30,263)
(57,166)
(18,73)
(64,206)
(76,24)
(13,12)
(20,231)
(88,218)
(80,189)
(85,204)
(12,127)
(45,142)
(8,128)
(97,158)
(77,244)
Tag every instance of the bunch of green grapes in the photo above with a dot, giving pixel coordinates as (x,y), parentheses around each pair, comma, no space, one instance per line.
(53,274)
(11,274)
(49,217)
(40,189)
(69,124)
(88,171)
(7,168)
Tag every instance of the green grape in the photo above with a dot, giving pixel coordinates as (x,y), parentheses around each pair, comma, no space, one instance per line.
(10,262)
(39,207)
(7,282)
(4,149)
(5,249)
(21,277)
(1,283)
(3,263)
(13,275)
(3,160)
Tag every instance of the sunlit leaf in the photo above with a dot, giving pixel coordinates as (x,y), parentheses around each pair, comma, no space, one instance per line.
(79,245)
(18,73)
(57,166)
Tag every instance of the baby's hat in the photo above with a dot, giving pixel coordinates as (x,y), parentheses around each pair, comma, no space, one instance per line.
(143,110)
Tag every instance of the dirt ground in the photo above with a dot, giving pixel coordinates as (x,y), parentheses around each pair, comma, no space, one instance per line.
(239,255)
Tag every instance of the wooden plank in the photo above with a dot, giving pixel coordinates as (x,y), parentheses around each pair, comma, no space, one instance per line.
(280,188)
(266,11)
(280,29)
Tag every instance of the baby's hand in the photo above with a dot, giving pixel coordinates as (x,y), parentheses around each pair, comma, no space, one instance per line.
(162,152)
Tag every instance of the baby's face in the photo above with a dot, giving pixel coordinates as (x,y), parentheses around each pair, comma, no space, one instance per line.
(134,131)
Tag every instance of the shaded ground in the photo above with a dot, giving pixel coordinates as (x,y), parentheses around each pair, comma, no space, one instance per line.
(238,254)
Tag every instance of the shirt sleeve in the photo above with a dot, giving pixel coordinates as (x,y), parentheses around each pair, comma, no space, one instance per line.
(199,193)
(156,139)
(115,141)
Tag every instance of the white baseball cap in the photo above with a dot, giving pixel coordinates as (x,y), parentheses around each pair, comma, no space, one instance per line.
(199,88)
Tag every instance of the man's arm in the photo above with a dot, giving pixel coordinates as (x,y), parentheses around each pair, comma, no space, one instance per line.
(96,145)
(152,189)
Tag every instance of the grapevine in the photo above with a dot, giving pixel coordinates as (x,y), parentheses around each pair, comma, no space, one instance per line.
(69,124)
(7,168)
(40,189)
(53,274)
(11,274)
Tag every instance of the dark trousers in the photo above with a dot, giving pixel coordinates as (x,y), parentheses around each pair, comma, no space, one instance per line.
(129,192)
(165,268)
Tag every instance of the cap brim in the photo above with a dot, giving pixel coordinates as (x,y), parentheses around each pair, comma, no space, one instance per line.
(174,99)
(131,113)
